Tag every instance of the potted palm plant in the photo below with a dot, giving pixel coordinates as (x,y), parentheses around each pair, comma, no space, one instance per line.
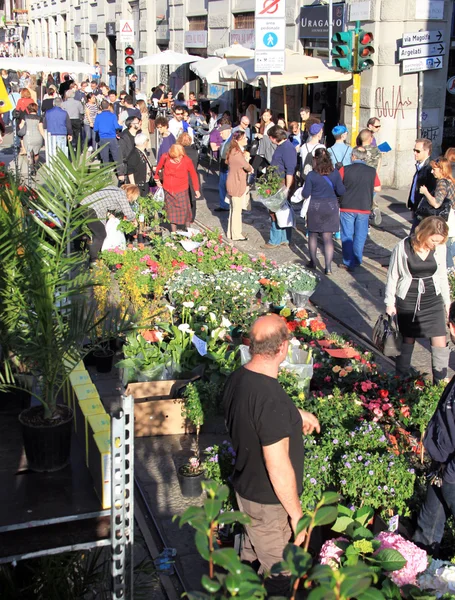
(46,309)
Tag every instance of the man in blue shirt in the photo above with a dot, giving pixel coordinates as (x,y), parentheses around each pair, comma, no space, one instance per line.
(340,152)
(106,126)
(57,124)
(285,160)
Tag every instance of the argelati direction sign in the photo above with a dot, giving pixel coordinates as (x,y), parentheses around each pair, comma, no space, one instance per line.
(270,36)
(314,21)
(423,50)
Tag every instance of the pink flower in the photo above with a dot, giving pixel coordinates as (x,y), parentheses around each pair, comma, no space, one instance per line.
(253,259)
(233,267)
(378,412)
(234,250)
(239,268)
(327,379)
(366,385)
(416,558)
(200,253)
(317,365)
(330,554)
(209,244)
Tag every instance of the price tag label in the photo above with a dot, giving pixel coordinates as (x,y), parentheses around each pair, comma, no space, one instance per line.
(141,218)
(200,345)
(393,523)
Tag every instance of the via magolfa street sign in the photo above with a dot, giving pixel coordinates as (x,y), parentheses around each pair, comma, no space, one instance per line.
(423,50)
(422,37)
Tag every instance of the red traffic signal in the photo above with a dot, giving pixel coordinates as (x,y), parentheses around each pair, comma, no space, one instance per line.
(129,61)
(364,50)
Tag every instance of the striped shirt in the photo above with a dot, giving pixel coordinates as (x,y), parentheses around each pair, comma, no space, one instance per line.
(92,110)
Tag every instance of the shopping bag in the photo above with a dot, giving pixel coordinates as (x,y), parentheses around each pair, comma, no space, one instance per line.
(305,206)
(386,336)
(285,216)
(114,238)
(159,195)
(297,196)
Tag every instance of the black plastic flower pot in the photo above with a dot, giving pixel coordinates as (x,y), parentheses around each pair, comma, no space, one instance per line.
(190,483)
(104,360)
(47,443)
(89,358)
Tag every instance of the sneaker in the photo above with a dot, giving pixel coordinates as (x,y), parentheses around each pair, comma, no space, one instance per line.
(377,217)
(267,246)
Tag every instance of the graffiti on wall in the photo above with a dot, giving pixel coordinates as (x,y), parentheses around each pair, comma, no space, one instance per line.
(390,103)
(431,133)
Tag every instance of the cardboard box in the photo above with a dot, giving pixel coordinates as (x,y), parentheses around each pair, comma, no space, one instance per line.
(99,465)
(85,409)
(157,408)
(96,424)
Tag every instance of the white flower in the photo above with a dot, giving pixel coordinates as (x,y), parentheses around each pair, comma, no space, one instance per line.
(184,327)
(202,309)
(294,342)
(170,308)
(188,304)
(225,322)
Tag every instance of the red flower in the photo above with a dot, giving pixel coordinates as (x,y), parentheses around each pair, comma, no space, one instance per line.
(405,411)
(292,325)
(118,266)
(175,263)
(2,164)
(383,394)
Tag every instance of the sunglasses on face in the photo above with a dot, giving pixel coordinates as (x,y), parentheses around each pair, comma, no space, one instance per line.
(417,151)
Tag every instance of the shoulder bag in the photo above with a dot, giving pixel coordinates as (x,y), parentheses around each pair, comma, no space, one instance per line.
(426,210)
(386,336)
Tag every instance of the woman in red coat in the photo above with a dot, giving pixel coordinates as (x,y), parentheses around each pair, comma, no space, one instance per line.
(176,167)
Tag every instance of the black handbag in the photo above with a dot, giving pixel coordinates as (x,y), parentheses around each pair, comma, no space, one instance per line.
(386,336)
(426,210)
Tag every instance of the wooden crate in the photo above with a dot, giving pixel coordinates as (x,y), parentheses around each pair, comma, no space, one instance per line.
(157,410)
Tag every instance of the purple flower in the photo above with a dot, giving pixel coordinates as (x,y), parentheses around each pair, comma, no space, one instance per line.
(335,441)
(386,487)
(346,443)
(313,481)
(411,471)
(382,438)
(367,462)
(360,457)
(214,458)
(370,472)
(347,464)
(323,468)
(343,482)
(209,449)
(379,488)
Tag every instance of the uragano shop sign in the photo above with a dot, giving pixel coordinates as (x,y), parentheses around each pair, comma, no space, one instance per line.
(314,20)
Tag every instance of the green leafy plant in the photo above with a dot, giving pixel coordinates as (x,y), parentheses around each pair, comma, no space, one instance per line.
(126,226)
(46,314)
(270,183)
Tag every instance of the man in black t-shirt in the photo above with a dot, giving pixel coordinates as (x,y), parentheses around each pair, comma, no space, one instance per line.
(266,431)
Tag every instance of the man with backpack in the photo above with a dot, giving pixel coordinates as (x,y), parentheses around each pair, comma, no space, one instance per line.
(340,152)
(308,148)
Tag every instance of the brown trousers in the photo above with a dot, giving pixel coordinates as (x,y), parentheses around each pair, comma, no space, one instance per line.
(267,535)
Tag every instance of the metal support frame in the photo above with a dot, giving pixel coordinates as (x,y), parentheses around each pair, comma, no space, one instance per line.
(122,499)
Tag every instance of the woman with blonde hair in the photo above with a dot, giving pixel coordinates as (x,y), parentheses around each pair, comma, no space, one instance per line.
(237,161)
(417,291)
(142,106)
(445,190)
(177,169)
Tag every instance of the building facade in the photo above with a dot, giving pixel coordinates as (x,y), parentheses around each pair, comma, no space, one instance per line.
(89,31)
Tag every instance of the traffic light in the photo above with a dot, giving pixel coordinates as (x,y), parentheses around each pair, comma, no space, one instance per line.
(364,50)
(342,44)
(129,61)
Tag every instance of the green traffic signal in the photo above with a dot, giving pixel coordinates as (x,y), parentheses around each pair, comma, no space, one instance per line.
(364,50)
(342,45)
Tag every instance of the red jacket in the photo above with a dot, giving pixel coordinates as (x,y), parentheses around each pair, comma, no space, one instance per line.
(175,175)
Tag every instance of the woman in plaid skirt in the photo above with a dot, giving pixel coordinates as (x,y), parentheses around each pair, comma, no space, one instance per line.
(176,166)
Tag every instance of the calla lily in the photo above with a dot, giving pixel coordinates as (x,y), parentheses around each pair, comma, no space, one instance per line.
(184,327)
(188,304)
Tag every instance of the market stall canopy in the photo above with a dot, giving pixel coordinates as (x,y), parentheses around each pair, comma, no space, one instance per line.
(36,64)
(209,68)
(300,69)
(235,50)
(168,57)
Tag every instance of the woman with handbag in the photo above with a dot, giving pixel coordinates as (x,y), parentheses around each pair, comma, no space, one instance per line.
(417,291)
(32,139)
(442,204)
(324,185)
(237,161)
(139,169)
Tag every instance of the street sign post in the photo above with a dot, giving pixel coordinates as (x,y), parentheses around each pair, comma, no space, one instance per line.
(270,34)
(423,50)
(422,64)
(422,37)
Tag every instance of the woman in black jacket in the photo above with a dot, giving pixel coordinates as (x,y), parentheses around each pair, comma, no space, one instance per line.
(139,169)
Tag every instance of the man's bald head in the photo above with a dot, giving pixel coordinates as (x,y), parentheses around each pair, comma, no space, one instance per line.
(267,334)
(365,137)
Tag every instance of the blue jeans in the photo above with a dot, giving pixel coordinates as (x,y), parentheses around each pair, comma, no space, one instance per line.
(107,144)
(354,232)
(89,136)
(113,82)
(279,235)
(450,252)
(222,189)
(438,506)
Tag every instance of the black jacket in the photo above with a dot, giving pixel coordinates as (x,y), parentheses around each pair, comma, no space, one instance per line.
(424,177)
(439,440)
(126,147)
